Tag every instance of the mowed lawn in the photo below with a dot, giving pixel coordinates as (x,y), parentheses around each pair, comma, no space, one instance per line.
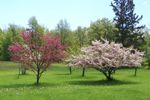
(57,84)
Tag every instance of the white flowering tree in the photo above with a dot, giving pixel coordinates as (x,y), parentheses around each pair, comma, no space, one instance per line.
(107,57)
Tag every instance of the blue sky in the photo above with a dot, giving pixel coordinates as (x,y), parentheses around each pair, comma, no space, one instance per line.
(49,12)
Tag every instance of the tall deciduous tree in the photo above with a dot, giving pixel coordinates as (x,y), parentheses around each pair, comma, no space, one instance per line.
(37,51)
(81,34)
(34,25)
(63,30)
(147,47)
(82,38)
(10,35)
(68,37)
(102,28)
(126,20)
(1,42)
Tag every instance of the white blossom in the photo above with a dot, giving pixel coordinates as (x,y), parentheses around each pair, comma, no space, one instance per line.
(102,55)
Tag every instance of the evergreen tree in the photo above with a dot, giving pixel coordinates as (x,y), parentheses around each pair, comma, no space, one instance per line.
(129,33)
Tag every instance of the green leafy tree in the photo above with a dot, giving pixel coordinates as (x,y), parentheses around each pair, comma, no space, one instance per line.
(82,39)
(1,41)
(103,28)
(129,33)
(81,36)
(73,47)
(34,25)
(146,48)
(63,30)
(68,37)
(12,34)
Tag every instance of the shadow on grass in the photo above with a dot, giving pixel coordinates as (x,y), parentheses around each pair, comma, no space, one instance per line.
(41,85)
(101,82)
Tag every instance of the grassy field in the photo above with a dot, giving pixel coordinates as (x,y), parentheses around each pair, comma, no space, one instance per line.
(57,84)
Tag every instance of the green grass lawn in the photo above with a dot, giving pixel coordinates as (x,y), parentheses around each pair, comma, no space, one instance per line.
(57,84)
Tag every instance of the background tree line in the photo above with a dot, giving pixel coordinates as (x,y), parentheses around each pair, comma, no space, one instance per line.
(123,29)
(72,39)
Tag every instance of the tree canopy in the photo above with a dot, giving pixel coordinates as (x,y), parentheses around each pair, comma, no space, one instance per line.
(126,20)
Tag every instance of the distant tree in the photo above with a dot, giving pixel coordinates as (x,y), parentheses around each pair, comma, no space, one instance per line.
(129,33)
(37,51)
(1,41)
(68,37)
(103,28)
(81,34)
(5,43)
(72,43)
(10,35)
(107,57)
(146,47)
(72,46)
(63,30)
(34,25)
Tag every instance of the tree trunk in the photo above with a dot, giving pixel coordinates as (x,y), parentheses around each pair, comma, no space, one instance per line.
(23,71)
(70,70)
(148,65)
(114,71)
(135,71)
(38,77)
(83,72)
(109,78)
(108,75)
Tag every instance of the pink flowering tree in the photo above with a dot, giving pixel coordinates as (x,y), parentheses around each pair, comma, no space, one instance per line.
(37,51)
(107,57)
